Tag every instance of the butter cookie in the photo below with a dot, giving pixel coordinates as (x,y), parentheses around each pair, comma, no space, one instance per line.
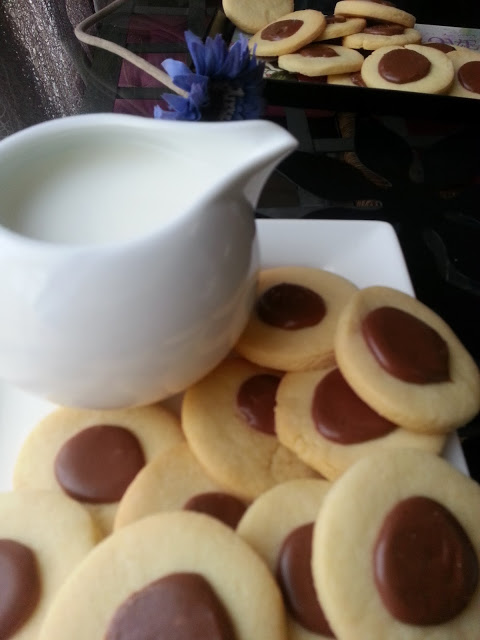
(279,526)
(293,322)
(174,480)
(228,420)
(289,33)
(382,35)
(376,10)
(404,361)
(43,536)
(319,59)
(92,456)
(396,549)
(321,419)
(412,67)
(466,63)
(252,15)
(340,26)
(176,574)
(347,79)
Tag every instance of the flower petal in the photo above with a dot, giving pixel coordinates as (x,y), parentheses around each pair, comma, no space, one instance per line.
(196,49)
(225,85)
(175,68)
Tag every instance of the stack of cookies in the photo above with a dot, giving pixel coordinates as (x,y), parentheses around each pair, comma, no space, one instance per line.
(368,43)
(299,493)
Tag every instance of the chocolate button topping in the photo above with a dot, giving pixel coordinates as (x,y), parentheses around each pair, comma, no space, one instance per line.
(256,401)
(290,306)
(179,606)
(318,51)
(441,46)
(469,76)
(19,586)
(356,78)
(335,19)
(98,463)
(222,506)
(406,347)
(426,569)
(403,65)
(294,575)
(341,416)
(281,29)
(385,2)
(385,29)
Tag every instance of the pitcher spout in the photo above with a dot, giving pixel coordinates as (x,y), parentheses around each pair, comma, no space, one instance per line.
(250,151)
(260,146)
(238,155)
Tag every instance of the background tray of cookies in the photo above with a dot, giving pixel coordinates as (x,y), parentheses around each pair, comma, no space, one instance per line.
(289,89)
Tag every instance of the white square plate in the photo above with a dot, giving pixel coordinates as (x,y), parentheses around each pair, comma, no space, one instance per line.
(366,252)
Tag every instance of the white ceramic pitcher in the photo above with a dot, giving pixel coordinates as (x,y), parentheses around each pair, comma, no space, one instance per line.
(128,252)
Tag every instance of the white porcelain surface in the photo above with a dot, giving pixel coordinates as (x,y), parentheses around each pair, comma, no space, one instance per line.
(366,252)
(128,252)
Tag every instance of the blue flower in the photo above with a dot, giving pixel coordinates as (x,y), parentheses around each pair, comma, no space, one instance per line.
(226,83)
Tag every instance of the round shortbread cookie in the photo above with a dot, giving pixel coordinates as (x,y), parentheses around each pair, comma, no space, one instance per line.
(228,420)
(396,550)
(318,59)
(374,10)
(289,33)
(348,79)
(382,35)
(409,68)
(93,455)
(403,360)
(252,15)
(43,536)
(321,419)
(172,574)
(466,63)
(174,480)
(279,526)
(293,323)
(340,26)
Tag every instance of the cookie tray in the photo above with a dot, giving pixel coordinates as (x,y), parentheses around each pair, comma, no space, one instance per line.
(304,94)
(366,252)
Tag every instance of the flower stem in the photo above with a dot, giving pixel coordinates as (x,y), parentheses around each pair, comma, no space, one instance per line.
(126,54)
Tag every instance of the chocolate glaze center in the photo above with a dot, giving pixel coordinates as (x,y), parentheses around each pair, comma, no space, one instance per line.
(223,506)
(335,19)
(290,306)
(98,463)
(401,66)
(19,586)
(256,401)
(341,416)
(405,346)
(385,2)
(426,569)
(281,29)
(179,606)
(469,76)
(385,29)
(294,575)
(318,51)
(356,78)
(441,46)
